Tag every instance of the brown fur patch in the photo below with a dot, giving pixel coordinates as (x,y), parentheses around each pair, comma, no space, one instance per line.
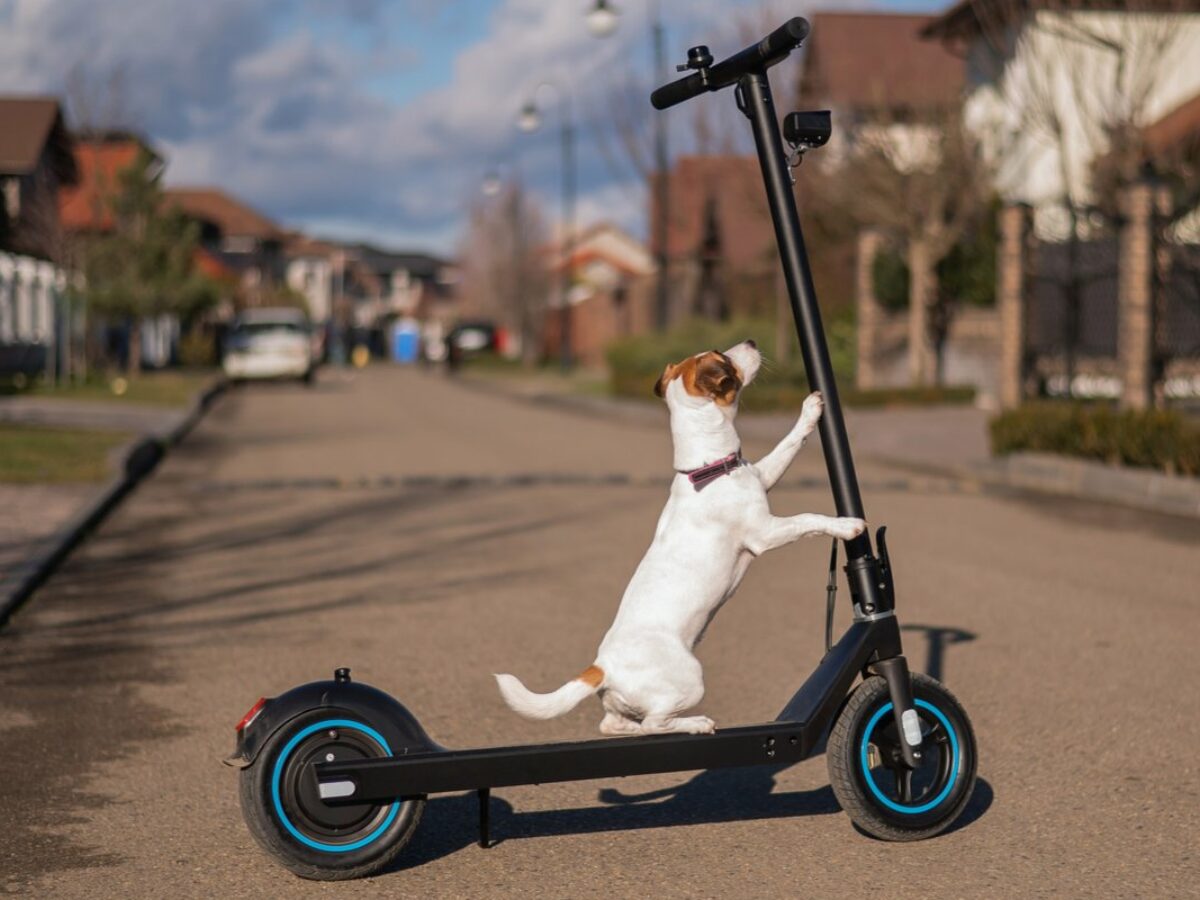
(592,676)
(712,375)
(660,386)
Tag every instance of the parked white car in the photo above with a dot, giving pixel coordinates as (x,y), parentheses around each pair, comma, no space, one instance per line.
(270,343)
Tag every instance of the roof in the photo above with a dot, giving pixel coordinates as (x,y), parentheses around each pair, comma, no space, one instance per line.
(29,128)
(1178,128)
(298,245)
(85,205)
(380,261)
(232,217)
(967,19)
(609,243)
(878,61)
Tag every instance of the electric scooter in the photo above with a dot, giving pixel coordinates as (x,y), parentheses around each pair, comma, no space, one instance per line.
(335,774)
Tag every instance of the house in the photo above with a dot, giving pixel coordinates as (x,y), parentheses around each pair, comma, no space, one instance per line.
(1052,88)
(85,207)
(401,284)
(877,67)
(35,161)
(720,242)
(610,297)
(315,269)
(240,238)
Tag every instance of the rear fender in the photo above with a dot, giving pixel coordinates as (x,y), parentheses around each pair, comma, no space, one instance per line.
(381,711)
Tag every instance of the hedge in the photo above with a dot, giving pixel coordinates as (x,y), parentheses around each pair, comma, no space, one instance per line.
(1154,439)
(635,364)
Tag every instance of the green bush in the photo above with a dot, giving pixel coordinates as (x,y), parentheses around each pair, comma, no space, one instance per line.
(198,348)
(635,364)
(1153,439)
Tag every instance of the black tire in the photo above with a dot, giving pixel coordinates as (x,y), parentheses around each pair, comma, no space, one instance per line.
(865,769)
(310,377)
(286,816)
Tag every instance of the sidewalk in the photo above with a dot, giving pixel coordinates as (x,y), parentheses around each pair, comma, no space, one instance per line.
(944,441)
(36,516)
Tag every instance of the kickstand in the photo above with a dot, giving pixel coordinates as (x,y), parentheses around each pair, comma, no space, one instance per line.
(485,837)
(830,596)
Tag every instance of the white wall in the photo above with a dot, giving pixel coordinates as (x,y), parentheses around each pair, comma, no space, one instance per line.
(28,291)
(1061,63)
(313,277)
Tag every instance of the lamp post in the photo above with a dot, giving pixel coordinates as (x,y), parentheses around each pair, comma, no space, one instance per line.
(530,120)
(602,21)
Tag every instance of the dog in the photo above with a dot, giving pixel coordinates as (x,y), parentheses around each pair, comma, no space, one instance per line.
(715,523)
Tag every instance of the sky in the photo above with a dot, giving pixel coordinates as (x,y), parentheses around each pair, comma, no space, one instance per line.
(373,120)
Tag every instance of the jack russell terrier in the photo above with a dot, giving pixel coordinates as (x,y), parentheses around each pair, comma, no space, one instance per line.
(715,523)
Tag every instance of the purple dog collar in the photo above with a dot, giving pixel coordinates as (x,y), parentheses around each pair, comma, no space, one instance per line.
(705,475)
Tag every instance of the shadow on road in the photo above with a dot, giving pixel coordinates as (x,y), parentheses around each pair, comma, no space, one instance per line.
(937,638)
(715,796)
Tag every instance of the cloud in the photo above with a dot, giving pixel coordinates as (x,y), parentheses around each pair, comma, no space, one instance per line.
(278,101)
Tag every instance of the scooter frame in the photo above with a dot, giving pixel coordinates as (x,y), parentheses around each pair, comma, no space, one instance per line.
(871,644)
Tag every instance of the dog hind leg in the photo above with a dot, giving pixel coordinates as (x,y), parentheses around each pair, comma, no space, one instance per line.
(615,723)
(678,724)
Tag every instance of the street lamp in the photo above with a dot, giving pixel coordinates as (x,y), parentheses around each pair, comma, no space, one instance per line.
(602,21)
(530,120)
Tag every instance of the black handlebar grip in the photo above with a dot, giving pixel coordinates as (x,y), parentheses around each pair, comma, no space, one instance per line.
(678,91)
(784,39)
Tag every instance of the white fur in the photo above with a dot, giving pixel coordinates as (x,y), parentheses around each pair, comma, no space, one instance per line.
(704,542)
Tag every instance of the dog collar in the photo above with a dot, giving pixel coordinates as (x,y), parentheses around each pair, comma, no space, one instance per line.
(705,475)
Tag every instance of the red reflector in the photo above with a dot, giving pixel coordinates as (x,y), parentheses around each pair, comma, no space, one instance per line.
(252,713)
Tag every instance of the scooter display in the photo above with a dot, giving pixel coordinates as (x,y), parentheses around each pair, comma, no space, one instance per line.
(335,774)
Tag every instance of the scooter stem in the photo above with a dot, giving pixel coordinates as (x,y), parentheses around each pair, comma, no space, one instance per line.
(754,99)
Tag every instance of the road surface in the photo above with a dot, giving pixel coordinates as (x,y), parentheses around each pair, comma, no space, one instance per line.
(427,534)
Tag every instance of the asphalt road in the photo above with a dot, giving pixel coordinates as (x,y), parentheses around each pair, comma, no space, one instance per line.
(428,534)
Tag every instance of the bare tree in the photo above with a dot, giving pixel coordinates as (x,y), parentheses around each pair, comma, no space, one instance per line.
(925,183)
(503,264)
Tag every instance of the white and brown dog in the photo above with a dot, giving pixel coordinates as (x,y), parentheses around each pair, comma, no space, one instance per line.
(715,522)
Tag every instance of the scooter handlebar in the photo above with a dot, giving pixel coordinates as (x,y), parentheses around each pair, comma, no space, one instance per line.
(757,57)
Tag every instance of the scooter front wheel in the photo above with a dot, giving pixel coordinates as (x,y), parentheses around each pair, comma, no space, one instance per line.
(878,791)
(285,813)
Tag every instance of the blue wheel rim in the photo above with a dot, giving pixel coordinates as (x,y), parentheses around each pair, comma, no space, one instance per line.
(955,762)
(277,776)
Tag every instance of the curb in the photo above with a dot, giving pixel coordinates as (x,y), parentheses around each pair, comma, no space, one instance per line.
(1087,480)
(140,460)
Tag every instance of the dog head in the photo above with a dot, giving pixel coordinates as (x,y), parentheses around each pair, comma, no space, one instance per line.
(711,377)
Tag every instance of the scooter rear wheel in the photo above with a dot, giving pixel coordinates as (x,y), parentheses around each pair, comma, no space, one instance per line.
(285,813)
(881,795)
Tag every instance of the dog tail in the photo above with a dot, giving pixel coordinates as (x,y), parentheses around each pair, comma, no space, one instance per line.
(547,706)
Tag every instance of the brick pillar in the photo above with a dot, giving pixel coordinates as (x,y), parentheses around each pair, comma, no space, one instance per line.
(921,285)
(868,311)
(1135,294)
(1011,262)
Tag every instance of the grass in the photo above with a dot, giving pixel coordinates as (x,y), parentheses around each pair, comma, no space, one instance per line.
(173,388)
(30,454)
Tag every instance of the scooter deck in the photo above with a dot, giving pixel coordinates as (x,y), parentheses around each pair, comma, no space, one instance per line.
(787,740)
(383,780)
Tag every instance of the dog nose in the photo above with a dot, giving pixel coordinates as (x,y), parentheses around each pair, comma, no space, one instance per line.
(751,344)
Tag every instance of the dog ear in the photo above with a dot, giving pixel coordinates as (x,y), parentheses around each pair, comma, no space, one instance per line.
(719,379)
(660,386)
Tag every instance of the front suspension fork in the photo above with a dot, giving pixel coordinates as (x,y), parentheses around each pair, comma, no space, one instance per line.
(873,593)
(908,723)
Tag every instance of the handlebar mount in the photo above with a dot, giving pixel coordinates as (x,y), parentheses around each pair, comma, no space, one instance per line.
(706,76)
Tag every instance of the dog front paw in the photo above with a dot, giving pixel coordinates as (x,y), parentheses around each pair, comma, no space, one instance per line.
(810,412)
(846,528)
